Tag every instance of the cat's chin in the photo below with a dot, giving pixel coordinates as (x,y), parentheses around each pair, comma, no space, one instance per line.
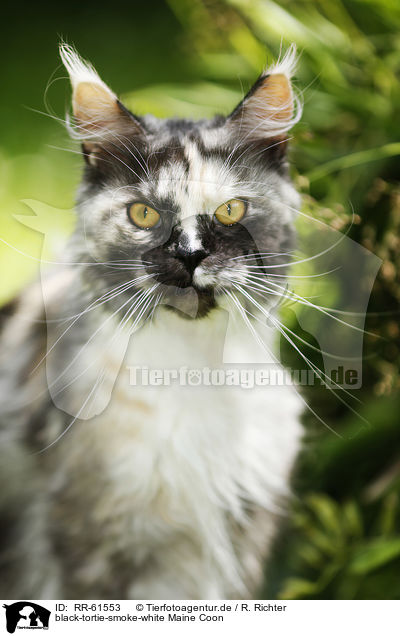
(191,303)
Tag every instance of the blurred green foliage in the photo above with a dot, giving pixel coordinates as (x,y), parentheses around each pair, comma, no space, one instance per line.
(195,58)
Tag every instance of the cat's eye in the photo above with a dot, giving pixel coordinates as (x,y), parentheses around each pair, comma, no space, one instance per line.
(143,216)
(231,212)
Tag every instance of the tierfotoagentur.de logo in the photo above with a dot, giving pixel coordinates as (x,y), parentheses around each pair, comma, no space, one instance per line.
(26,615)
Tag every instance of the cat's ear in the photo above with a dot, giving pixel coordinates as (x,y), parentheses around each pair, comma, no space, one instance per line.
(99,118)
(270,108)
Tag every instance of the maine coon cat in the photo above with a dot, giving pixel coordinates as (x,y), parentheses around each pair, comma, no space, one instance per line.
(113,489)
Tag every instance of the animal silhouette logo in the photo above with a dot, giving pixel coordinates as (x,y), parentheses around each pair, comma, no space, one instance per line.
(26,615)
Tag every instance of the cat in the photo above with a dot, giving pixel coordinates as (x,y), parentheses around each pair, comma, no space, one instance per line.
(119,490)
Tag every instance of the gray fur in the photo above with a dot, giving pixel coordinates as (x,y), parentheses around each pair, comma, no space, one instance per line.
(53,544)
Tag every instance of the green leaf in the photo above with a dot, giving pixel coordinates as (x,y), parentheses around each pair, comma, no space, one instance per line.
(387,517)
(319,539)
(327,512)
(311,556)
(354,159)
(352,519)
(296,588)
(373,555)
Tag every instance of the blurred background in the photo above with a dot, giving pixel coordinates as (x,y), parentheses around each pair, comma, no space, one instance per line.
(195,58)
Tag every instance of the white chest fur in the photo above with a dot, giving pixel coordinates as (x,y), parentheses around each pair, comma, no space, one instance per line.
(180,463)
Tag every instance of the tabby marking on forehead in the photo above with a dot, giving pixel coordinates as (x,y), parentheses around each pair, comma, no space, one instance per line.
(201,186)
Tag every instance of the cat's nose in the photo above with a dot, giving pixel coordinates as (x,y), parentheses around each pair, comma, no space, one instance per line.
(191,259)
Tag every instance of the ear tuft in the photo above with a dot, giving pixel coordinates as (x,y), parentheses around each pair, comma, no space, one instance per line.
(79,70)
(285,65)
(95,107)
(270,108)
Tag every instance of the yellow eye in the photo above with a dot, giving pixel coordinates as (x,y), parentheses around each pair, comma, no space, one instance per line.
(143,216)
(231,212)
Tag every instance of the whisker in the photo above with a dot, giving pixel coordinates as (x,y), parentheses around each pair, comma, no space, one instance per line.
(90,339)
(65,431)
(284,276)
(263,346)
(258,256)
(134,305)
(100,379)
(63,263)
(317,371)
(303,301)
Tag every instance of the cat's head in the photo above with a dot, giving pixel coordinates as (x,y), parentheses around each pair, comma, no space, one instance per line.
(184,210)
